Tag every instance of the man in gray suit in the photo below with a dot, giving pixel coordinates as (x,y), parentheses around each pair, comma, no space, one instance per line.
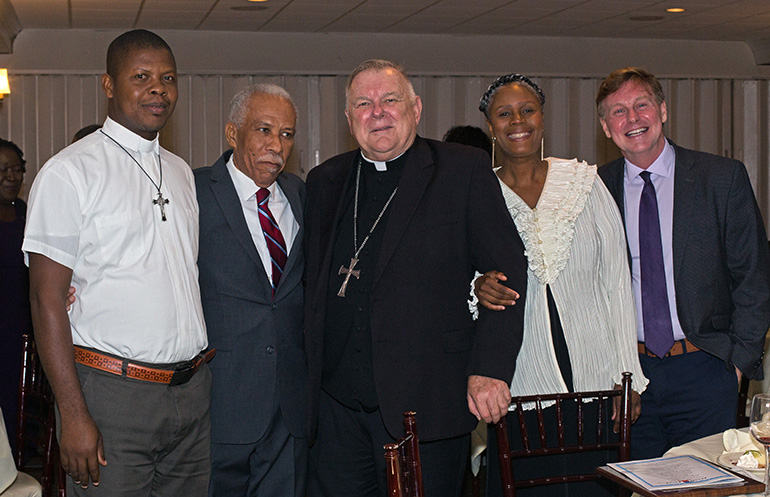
(699,264)
(251,264)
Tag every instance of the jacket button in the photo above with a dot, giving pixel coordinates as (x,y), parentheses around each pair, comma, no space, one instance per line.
(270,349)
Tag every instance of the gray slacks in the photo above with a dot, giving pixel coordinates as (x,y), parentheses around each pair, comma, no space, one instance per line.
(156,437)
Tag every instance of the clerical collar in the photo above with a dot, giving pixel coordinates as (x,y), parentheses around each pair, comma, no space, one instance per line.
(129,139)
(381,165)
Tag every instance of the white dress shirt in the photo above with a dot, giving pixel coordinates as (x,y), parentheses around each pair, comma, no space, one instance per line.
(662,176)
(91,209)
(277,203)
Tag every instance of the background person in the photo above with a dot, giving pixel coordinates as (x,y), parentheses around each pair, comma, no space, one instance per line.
(469,135)
(15,317)
(85,131)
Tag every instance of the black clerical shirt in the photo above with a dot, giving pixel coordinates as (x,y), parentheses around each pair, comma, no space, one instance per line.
(347,375)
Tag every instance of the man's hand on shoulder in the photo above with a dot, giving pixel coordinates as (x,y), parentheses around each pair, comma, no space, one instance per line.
(81,449)
(492,294)
(488,398)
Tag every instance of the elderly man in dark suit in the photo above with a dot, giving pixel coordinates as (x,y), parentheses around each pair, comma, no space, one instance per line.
(251,264)
(395,231)
(699,264)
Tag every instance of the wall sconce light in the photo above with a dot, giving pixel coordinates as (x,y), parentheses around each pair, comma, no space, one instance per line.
(5,88)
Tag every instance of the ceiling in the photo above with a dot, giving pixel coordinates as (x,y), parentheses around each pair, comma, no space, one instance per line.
(723,20)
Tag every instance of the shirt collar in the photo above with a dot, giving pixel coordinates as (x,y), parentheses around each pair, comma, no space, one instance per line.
(663,165)
(381,165)
(129,139)
(245,186)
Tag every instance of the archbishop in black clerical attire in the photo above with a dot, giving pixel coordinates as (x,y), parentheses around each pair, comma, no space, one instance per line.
(395,231)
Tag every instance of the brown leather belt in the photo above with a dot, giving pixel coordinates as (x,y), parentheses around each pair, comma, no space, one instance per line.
(680,347)
(175,374)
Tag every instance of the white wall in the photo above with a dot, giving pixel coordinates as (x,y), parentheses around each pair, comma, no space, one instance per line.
(287,53)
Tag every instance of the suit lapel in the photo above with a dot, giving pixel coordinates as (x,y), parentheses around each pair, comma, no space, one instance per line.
(615,175)
(224,192)
(684,193)
(417,173)
(292,194)
(332,207)
(614,178)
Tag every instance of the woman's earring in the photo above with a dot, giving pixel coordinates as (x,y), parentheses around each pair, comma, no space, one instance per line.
(542,146)
(494,139)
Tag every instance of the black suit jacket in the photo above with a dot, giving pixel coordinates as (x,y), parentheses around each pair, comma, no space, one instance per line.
(720,256)
(447,219)
(258,338)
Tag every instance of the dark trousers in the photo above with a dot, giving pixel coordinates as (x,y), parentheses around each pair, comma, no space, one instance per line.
(10,376)
(274,466)
(156,437)
(690,396)
(558,464)
(348,459)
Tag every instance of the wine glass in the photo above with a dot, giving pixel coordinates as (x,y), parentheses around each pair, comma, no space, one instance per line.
(760,429)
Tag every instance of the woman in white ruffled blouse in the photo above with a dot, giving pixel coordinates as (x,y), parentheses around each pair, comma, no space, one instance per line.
(579,324)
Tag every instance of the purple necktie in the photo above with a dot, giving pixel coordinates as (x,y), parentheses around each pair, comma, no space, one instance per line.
(658,332)
(275,243)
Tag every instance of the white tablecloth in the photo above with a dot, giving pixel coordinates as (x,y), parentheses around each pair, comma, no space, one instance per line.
(12,483)
(708,448)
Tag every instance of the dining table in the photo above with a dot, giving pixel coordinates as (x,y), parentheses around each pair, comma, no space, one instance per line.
(709,448)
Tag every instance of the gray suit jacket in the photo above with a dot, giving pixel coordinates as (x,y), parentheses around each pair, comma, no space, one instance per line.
(721,255)
(259,339)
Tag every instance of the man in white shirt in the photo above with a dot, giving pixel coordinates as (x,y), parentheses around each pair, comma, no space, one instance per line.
(115,215)
(251,264)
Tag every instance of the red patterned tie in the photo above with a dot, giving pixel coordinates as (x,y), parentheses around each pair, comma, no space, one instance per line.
(275,242)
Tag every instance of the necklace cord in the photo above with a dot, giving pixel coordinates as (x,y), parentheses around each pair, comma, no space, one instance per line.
(160,165)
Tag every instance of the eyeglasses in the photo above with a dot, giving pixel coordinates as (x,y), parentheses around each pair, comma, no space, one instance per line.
(14,171)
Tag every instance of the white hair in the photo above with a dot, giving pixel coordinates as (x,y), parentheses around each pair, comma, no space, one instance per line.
(239,103)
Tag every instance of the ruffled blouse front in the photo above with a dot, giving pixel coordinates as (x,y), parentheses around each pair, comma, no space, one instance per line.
(574,242)
(548,229)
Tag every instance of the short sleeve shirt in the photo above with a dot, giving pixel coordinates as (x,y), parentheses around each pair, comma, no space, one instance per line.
(91,209)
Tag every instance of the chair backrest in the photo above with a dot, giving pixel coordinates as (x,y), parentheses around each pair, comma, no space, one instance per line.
(404,471)
(37,421)
(507,456)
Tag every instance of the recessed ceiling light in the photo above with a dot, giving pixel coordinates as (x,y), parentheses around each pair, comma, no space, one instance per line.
(675,10)
(249,8)
(646,18)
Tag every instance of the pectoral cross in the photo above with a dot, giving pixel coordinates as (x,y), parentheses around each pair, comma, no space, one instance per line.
(348,272)
(161,202)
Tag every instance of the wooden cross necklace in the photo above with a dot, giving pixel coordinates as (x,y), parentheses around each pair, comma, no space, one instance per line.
(160,201)
(349,271)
